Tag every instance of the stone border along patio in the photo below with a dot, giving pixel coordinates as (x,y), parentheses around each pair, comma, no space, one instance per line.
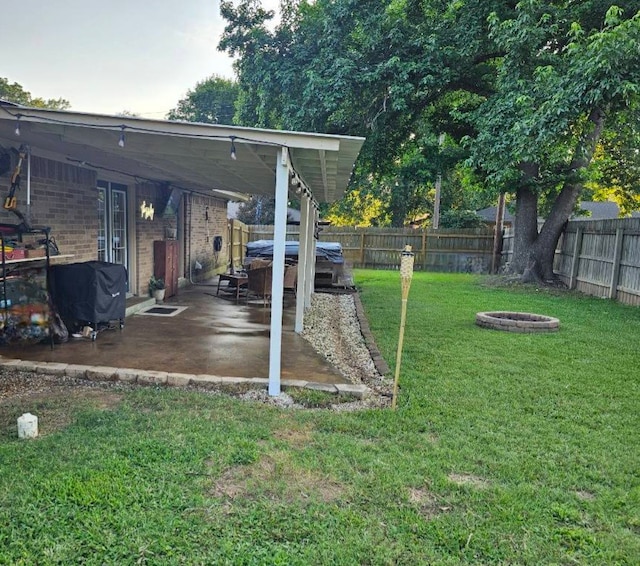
(144,377)
(376,356)
(524,322)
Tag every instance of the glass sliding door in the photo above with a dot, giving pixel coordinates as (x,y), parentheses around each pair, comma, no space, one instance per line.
(112,223)
(119,226)
(102,223)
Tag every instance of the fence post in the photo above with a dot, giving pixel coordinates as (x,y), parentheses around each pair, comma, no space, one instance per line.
(575,262)
(362,249)
(423,249)
(613,288)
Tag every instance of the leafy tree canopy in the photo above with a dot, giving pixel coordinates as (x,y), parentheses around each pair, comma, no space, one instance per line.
(259,209)
(13,92)
(211,101)
(526,92)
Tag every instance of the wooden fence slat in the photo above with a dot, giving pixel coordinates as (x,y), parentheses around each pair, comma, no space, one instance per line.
(442,250)
(605,258)
(575,262)
(616,263)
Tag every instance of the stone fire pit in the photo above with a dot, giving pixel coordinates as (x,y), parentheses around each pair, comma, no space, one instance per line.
(517,321)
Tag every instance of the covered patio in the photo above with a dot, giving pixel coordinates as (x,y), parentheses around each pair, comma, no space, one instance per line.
(221,161)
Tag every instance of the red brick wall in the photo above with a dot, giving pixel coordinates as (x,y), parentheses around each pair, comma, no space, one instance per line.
(147,231)
(205,218)
(64,197)
(197,232)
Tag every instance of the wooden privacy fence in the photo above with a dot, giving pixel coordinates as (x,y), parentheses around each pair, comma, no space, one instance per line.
(238,238)
(457,251)
(601,258)
(597,257)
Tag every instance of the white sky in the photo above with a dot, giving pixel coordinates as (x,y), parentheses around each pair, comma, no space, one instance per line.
(107,56)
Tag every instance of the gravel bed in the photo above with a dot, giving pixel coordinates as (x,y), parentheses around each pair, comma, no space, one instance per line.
(332,327)
(16,384)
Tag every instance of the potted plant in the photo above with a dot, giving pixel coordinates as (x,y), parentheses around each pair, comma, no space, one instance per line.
(156,288)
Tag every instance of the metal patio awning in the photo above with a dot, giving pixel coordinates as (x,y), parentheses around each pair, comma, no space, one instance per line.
(196,157)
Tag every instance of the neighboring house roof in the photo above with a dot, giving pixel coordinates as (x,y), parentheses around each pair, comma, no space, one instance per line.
(196,157)
(600,211)
(596,210)
(489,214)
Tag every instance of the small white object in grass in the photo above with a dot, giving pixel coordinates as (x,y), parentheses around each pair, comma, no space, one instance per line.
(27,426)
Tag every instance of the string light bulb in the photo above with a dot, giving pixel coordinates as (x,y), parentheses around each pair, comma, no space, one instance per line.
(297,184)
(17,130)
(121,140)
(233,148)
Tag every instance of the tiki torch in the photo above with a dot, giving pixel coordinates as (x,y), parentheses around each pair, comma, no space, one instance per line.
(406,273)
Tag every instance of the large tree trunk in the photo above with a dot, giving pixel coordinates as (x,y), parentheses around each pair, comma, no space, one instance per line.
(533,252)
(526,220)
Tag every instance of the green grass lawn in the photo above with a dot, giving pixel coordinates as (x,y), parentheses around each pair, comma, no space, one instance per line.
(505,449)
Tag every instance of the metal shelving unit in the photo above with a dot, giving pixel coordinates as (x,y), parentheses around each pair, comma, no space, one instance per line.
(24,305)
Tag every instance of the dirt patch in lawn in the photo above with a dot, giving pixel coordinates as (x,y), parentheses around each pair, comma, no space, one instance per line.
(426,502)
(295,437)
(468,479)
(274,476)
(585,495)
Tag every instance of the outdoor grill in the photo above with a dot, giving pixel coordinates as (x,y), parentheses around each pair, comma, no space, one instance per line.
(90,293)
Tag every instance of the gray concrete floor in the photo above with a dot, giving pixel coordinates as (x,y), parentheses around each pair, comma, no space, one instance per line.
(213,336)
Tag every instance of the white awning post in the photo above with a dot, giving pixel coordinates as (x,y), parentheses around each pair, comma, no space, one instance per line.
(277,281)
(311,256)
(303,260)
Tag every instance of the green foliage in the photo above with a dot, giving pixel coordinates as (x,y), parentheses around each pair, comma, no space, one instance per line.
(359,207)
(156,284)
(393,72)
(259,209)
(522,90)
(13,92)
(615,171)
(549,81)
(211,101)
(456,218)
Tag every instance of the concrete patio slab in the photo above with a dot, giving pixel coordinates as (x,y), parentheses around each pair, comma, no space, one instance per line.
(213,337)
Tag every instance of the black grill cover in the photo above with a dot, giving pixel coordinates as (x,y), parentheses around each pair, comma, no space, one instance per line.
(93,291)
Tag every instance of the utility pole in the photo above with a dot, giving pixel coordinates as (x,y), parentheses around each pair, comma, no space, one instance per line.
(497,235)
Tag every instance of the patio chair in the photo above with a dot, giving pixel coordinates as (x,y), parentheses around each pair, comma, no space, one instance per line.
(291,278)
(259,262)
(259,283)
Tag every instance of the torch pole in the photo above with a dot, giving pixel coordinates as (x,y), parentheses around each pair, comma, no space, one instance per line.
(406,273)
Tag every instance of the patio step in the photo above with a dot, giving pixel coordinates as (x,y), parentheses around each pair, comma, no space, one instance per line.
(136,304)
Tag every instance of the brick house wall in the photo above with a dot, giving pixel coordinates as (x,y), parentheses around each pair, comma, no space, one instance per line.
(64,197)
(204,219)
(147,230)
